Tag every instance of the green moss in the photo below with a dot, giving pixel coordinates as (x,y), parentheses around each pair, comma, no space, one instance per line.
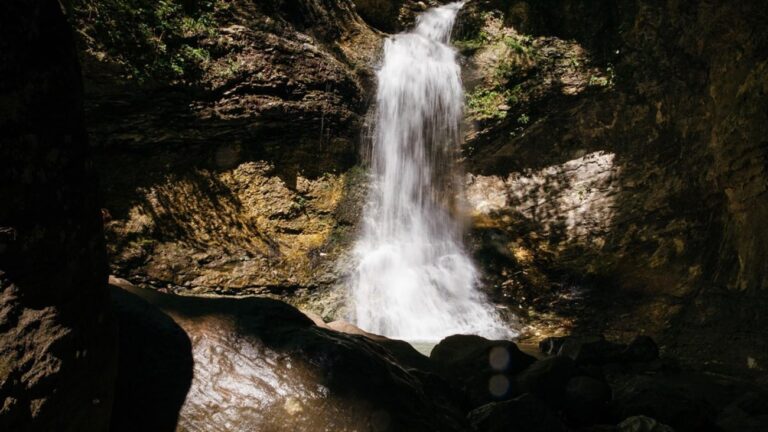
(151,39)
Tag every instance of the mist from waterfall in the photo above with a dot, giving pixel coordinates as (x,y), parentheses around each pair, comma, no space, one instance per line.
(413,278)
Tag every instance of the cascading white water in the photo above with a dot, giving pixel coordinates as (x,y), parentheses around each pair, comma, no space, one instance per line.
(413,278)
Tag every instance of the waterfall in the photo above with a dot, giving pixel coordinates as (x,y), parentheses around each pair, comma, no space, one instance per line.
(413,279)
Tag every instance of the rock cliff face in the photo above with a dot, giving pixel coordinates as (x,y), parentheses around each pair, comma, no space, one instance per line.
(622,147)
(57,337)
(227,159)
(616,153)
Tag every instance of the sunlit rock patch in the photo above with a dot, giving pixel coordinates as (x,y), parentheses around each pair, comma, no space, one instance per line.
(238,382)
(243,228)
(575,200)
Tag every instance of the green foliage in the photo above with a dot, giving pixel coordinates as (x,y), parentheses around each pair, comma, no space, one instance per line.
(152,39)
(596,81)
(486,104)
(468,46)
(299,203)
(231,67)
(603,81)
(492,103)
(520,45)
(523,119)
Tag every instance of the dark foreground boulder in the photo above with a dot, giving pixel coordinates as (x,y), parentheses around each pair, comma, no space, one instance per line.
(632,424)
(586,400)
(260,364)
(155,367)
(57,351)
(748,413)
(483,369)
(525,413)
(547,379)
(660,399)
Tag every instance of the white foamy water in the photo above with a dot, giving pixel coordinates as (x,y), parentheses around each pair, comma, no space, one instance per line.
(413,278)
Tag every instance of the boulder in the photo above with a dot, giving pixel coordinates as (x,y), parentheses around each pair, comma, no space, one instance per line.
(402,351)
(591,349)
(748,413)
(643,424)
(524,413)
(595,349)
(547,379)
(660,399)
(586,400)
(155,367)
(641,349)
(483,369)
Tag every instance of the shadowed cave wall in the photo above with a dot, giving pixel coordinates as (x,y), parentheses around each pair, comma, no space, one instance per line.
(630,159)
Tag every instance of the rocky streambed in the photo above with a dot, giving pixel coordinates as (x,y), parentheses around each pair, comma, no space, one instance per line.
(222,364)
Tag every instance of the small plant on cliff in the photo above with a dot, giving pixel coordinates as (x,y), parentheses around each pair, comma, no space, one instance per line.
(487,104)
(519,44)
(468,46)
